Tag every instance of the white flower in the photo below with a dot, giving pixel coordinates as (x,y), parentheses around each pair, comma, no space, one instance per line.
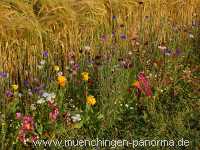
(131,108)
(76,118)
(126,105)
(41,101)
(53,95)
(130,53)
(33,107)
(48,96)
(59,73)
(42,62)
(191,36)
(20,94)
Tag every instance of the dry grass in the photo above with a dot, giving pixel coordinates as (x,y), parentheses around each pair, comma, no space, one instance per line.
(27,28)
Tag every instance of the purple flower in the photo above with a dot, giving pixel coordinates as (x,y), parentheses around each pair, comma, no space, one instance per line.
(113,17)
(45,54)
(9,93)
(123,36)
(3,75)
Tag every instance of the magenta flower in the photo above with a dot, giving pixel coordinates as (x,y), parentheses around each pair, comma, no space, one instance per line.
(144,84)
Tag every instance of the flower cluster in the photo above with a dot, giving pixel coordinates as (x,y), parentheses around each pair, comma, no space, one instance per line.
(26,131)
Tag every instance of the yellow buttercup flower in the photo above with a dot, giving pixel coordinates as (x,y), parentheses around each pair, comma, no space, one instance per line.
(56,68)
(85,76)
(15,87)
(62,81)
(91,100)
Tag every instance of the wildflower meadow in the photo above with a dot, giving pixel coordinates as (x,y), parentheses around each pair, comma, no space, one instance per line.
(100,74)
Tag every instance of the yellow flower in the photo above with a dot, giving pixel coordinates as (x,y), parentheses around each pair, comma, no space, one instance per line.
(85,76)
(62,81)
(91,100)
(56,68)
(15,87)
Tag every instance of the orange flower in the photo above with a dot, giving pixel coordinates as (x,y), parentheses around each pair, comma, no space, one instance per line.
(61,81)
(136,84)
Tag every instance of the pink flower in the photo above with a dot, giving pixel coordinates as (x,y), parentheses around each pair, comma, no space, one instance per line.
(28,123)
(18,115)
(144,84)
(54,114)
